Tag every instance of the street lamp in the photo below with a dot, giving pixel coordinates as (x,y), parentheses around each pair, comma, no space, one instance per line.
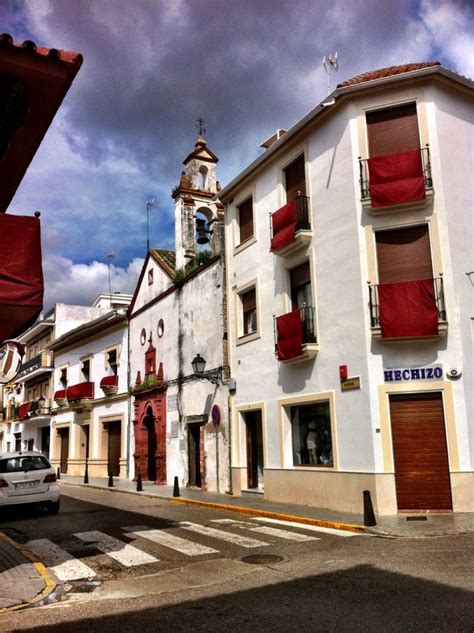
(213,375)
(198,364)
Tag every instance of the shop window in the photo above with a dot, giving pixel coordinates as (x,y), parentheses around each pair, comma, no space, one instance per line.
(245,220)
(311,434)
(248,301)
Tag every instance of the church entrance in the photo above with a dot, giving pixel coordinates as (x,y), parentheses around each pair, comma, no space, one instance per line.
(152,444)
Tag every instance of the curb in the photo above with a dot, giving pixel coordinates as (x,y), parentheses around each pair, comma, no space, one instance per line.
(348,527)
(49,581)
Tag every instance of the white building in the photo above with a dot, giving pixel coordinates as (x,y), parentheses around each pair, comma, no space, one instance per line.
(180,420)
(351,342)
(91,412)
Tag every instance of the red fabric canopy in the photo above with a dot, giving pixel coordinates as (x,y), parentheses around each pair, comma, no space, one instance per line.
(24,410)
(289,335)
(60,395)
(284,226)
(396,179)
(408,308)
(109,381)
(21,274)
(80,391)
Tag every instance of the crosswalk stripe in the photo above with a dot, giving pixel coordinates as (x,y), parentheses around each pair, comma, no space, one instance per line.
(236,539)
(304,526)
(64,566)
(127,555)
(169,540)
(269,531)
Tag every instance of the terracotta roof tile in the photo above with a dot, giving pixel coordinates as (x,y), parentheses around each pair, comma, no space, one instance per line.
(167,259)
(386,72)
(51,53)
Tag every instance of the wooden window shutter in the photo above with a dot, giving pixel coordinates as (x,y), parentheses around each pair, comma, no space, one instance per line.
(295,179)
(300,275)
(249,301)
(246,220)
(403,254)
(393,130)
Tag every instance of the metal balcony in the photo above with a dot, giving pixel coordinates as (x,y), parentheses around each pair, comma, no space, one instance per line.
(309,346)
(43,362)
(303,232)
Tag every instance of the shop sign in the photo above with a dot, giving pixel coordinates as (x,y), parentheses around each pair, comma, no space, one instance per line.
(348,384)
(409,374)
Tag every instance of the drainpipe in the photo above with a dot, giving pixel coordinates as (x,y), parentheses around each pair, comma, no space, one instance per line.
(230,490)
(129,400)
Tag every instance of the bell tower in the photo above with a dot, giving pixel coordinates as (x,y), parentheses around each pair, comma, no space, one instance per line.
(198,218)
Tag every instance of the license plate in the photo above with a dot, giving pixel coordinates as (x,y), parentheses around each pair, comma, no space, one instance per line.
(21,485)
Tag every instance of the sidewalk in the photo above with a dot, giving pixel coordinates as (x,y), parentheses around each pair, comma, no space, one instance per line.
(23,580)
(409,525)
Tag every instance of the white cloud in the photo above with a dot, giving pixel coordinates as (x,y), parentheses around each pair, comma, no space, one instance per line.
(79,284)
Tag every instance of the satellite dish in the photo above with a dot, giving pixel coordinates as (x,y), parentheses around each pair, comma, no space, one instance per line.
(11,356)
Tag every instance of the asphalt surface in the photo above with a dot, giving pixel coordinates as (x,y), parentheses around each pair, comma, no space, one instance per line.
(325,582)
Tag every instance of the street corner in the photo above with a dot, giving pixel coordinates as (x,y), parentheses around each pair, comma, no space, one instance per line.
(24,580)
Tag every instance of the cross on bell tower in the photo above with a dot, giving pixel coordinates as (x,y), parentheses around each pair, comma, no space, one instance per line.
(200,125)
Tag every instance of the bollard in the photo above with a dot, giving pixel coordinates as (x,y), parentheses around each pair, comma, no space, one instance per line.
(111,480)
(58,476)
(139,482)
(369,516)
(86,473)
(176,488)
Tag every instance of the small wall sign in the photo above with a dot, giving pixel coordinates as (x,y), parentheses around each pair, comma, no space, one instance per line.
(350,383)
(216,414)
(409,374)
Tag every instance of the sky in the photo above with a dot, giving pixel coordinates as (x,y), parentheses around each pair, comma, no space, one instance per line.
(151,67)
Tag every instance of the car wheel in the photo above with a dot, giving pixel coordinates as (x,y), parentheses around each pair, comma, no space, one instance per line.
(53,507)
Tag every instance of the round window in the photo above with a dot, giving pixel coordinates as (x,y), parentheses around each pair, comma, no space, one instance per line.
(161,327)
(143,337)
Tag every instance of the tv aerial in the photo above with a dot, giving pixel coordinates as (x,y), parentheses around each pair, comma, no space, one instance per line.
(330,64)
(110,258)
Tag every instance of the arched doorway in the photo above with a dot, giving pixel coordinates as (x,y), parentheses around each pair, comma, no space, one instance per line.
(151,444)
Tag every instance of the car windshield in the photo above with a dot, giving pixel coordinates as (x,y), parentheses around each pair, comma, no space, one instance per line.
(23,463)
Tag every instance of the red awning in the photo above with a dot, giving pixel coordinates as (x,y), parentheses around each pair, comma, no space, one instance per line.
(24,410)
(109,381)
(60,395)
(408,309)
(81,391)
(396,179)
(21,274)
(283,226)
(289,335)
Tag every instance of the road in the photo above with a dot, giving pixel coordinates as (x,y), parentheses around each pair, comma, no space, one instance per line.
(127,562)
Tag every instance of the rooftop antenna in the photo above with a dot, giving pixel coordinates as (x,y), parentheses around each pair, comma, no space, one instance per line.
(200,125)
(150,204)
(330,63)
(110,258)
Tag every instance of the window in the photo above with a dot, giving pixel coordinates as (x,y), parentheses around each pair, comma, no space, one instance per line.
(300,286)
(150,276)
(311,434)
(112,361)
(245,220)
(203,180)
(85,370)
(295,181)
(143,337)
(393,130)
(63,377)
(249,311)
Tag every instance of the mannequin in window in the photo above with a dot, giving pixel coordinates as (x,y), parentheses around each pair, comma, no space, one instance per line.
(311,443)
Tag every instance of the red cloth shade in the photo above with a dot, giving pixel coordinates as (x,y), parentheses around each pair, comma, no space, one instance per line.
(21,274)
(283,226)
(396,179)
(60,395)
(80,391)
(289,335)
(109,381)
(408,309)
(24,410)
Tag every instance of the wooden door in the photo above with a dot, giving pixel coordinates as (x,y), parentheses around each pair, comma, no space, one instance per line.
(253,425)
(420,452)
(194,454)
(114,438)
(64,435)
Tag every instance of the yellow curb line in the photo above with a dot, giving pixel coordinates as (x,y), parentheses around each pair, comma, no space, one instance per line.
(348,527)
(49,581)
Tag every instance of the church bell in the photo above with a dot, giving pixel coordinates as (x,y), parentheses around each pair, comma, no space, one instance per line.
(202,232)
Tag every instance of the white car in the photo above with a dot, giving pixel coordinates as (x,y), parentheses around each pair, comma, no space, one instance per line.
(27,477)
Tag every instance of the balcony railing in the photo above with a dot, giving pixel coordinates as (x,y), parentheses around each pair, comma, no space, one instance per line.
(298,346)
(374,302)
(364,178)
(44,360)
